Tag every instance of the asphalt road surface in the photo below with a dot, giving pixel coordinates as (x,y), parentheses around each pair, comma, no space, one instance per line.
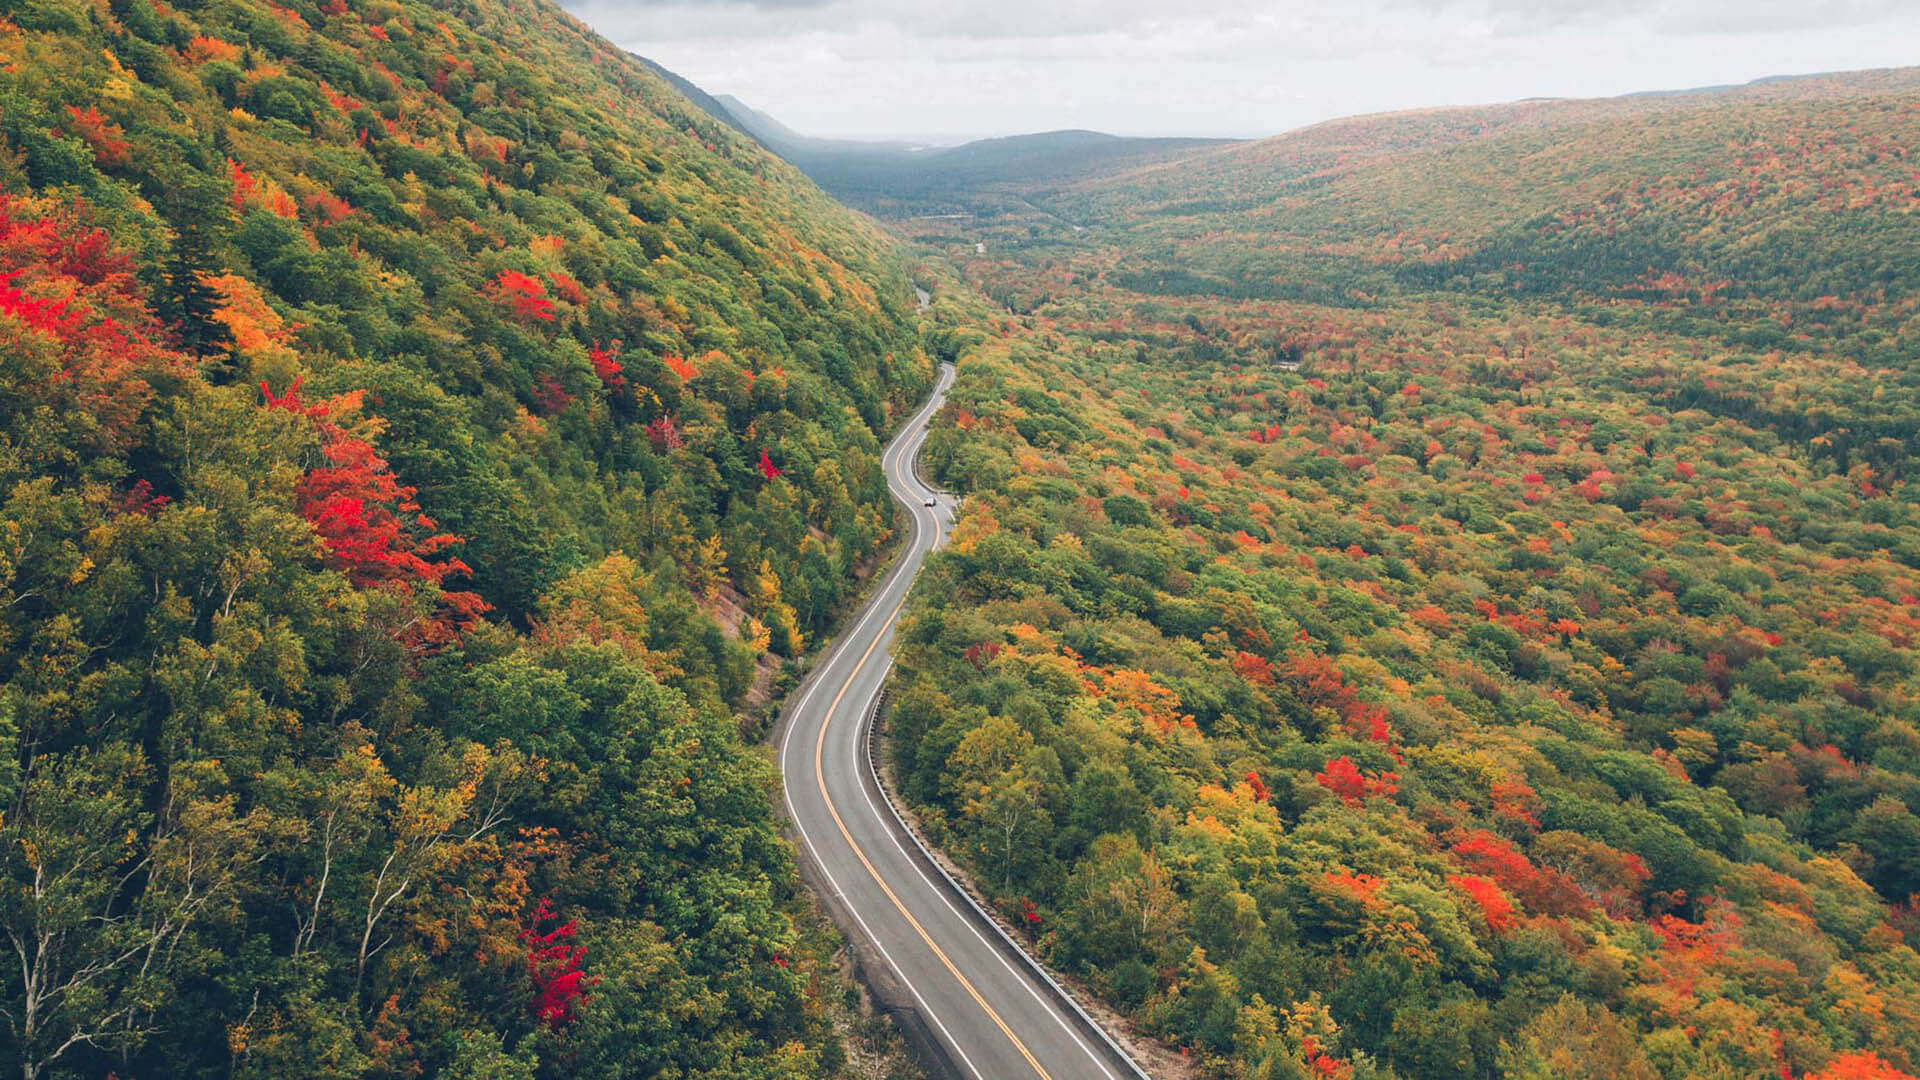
(995,1015)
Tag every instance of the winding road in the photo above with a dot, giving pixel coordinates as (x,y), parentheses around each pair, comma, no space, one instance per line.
(927,951)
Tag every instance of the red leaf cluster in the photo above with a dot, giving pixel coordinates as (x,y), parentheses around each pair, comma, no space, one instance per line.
(1494,905)
(550,396)
(62,283)
(1321,683)
(141,500)
(567,288)
(1542,889)
(1258,787)
(101,135)
(328,209)
(1254,668)
(553,961)
(1324,1065)
(524,294)
(665,434)
(374,530)
(342,103)
(50,316)
(1362,889)
(1515,800)
(248,190)
(679,366)
(1865,1065)
(607,365)
(1342,777)
(981,654)
(244,184)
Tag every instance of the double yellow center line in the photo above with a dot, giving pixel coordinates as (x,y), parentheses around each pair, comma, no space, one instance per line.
(820,777)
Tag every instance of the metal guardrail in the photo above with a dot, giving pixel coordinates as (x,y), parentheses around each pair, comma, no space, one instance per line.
(979,909)
(920,477)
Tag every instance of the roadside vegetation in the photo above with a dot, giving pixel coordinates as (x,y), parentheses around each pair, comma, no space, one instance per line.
(1437,616)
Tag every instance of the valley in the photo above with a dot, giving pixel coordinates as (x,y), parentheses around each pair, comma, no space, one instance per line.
(498,544)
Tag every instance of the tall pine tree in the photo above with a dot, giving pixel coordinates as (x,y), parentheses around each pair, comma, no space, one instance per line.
(186,301)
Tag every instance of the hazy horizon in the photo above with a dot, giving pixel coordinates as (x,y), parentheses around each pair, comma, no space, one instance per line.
(933,140)
(887,69)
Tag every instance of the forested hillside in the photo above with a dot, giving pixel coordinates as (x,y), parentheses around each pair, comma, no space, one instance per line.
(423,436)
(1749,208)
(1436,594)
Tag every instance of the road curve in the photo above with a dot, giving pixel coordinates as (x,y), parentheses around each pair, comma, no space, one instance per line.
(995,1015)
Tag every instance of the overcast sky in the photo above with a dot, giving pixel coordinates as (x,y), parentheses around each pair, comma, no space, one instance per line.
(1221,67)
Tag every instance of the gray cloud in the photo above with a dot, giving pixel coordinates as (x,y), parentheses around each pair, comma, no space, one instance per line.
(996,19)
(750,5)
(873,67)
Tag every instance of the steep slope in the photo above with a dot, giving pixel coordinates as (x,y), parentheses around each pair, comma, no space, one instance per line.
(1362,656)
(420,430)
(707,103)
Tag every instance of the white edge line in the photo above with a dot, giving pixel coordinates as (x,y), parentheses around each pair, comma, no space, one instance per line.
(925,1009)
(1033,964)
(786,741)
(862,740)
(862,748)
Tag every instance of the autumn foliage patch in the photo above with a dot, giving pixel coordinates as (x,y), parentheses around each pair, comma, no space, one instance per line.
(373,528)
(524,295)
(553,964)
(1342,777)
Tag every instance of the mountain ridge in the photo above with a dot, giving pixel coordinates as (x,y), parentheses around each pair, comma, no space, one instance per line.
(894,179)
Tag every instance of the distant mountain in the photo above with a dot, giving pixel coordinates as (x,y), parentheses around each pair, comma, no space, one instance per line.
(903,179)
(1750,84)
(990,173)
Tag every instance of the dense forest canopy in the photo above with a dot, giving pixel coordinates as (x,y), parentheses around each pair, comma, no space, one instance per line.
(424,436)
(1436,594)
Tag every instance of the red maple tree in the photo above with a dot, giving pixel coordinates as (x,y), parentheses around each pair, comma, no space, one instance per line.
(679,366)
(1494,905)
(553,962)
(75,322)
(607,365)
(550,395)
(524,294)
(665,435)
(101,135)
(1259,788)
(1342,777)
(374,531)
(567,288)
